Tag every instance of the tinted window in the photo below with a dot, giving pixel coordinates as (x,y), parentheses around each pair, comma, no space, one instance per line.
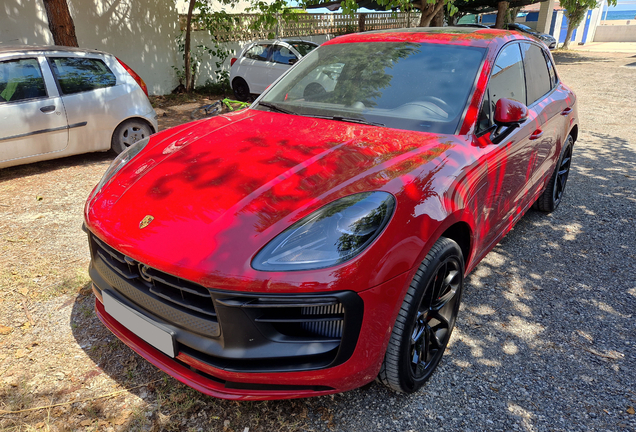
(551,71)
(258,52)
(507,79)
(20,80)
(537,77)
(76,75)
(281,54)
(404,85)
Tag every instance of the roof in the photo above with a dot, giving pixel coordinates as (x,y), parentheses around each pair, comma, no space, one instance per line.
(473,36)
(45,48)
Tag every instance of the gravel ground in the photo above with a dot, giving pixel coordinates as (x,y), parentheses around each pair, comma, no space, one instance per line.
(545,340)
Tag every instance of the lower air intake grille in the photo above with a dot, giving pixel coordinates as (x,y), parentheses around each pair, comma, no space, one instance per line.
(332,328)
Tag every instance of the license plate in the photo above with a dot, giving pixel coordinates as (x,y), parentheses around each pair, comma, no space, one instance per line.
(152,332)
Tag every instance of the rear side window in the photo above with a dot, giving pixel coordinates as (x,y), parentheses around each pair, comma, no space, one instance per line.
(303,47)
(281,54)
(75,75)
(258,52)
(21,80)
(537,76)
(551,71)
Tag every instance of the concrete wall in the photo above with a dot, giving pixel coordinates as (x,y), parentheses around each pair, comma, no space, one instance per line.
(615,33)
(141,33)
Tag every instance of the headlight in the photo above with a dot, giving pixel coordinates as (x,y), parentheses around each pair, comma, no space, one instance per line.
(331,235)
(122,159)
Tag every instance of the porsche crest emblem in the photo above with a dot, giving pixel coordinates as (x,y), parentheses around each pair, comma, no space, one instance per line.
(146,221)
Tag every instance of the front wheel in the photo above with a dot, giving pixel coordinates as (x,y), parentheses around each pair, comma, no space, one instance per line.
(241,89)
(128,133)
(553,193)
(426,319)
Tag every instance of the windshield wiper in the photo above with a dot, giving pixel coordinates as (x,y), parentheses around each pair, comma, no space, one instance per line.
(356,120)
(275,108)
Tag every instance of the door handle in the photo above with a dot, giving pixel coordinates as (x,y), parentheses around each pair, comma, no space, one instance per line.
(566,111)
(47,108)
(536,134)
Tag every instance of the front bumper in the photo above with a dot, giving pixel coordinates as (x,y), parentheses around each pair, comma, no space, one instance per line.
(242,350)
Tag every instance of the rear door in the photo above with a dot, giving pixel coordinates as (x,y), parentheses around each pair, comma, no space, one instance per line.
(255,66)
(280,59)
(90,93)
(31,112)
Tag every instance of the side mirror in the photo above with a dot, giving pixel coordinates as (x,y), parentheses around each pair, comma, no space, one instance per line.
(293,61)
(509,114)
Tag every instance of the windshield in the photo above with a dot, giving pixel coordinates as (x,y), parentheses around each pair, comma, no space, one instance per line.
(402,85)
(303,47)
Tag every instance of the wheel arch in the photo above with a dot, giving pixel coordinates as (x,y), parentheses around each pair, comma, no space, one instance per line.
(574,132)
(461,234)
(152,127)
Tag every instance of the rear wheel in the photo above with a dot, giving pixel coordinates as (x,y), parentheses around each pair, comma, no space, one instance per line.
(128,133)
(241,89)
(553,193)
(426,319)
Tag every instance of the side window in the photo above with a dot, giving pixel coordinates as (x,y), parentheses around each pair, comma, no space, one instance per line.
(551,71)
(21,80)
(258,52)
(283,55)
(537,76)
(75,75)
(507,81)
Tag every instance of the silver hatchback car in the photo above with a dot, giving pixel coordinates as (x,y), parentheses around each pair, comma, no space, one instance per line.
(58,101)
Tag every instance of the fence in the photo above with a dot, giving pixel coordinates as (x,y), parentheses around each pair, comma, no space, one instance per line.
(240,27)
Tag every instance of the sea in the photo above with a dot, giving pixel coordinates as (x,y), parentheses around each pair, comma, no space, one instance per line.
(620,15)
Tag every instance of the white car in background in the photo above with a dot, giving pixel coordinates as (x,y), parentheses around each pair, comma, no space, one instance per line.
(261,63)
(59,101)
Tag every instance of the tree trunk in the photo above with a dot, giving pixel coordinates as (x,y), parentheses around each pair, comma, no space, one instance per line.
(186,53)
(438,19)
(60,23)
(502,8)
(568,36)
(429,10)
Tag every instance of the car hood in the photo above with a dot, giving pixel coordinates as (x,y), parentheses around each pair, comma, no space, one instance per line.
(220,189)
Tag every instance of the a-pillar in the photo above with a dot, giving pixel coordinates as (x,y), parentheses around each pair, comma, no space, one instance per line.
(545,16)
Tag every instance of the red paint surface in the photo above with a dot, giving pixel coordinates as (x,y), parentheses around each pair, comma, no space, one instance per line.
(221,189)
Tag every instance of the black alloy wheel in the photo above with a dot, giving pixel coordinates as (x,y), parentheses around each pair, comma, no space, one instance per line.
(426,319)
(553,193)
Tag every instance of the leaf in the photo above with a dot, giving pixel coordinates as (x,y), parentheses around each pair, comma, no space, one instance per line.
(4,330)
(39,198)
(86,422)
(630,410)
(39,425)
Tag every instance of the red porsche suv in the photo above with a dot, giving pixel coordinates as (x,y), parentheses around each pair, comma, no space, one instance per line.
(320,238)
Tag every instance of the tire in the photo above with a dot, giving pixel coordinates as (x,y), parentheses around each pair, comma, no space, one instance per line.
(553,193)
(426,319)
(241,90)
(128,133)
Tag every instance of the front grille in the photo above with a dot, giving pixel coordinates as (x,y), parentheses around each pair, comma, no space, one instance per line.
(175,300)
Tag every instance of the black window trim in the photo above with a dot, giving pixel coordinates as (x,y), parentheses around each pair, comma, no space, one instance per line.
(57,83)
(32,99)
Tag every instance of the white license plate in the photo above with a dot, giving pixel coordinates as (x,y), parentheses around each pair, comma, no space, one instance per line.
(152,332)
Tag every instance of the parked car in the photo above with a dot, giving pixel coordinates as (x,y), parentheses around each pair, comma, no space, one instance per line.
(547,39)
(261,63)
(58,101)
(320,238)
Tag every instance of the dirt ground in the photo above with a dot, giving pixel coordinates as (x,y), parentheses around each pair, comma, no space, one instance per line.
(61,369)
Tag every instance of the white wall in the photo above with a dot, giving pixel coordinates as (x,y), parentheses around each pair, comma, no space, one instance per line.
(141,33)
